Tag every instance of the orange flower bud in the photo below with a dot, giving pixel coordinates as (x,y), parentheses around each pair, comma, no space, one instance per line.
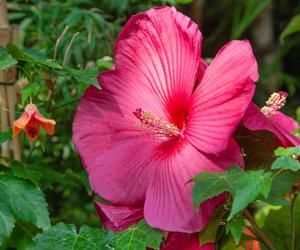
(31,121)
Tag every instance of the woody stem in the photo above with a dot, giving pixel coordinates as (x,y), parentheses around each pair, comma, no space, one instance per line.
(258,231)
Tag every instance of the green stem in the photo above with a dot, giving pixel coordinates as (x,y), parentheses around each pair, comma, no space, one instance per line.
(258,231)
(293,223)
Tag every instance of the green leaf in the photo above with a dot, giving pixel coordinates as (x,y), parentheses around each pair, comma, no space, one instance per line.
(6,60)
(65,237)
(290,151)
(292,27)
(282,184)
(138,237)
(252,10)
(105,64)
(245,187)
(5,136)
(236,228)
(286,162)
(253,184)
(210,184)
(183,1)
(277,226)
(25,172)
(26,201)
(21,55)
(30,89)
(7,221)
(87,76)
(209,233)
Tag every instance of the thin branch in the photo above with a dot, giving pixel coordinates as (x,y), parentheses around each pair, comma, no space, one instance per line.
(259,232)
(58,41)
(68,48)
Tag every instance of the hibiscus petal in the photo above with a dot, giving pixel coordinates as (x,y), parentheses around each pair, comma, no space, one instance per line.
(278,124)
(168,204)
(183,241)
(121,174)
(99,124)
(219,102)
(118,218)
(156,61)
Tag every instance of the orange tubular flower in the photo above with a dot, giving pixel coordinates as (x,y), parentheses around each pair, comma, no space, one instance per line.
(31,121)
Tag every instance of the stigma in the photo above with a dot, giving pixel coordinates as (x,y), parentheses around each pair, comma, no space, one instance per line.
(276,101)
(154,125)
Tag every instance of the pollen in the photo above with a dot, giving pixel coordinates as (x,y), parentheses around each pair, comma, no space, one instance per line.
(276,101)
(154,125)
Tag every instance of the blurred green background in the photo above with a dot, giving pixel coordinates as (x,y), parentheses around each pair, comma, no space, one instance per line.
(98,23)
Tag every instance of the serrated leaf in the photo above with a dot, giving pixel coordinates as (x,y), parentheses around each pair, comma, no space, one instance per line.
(286,162)
(65,237)
(7,221)
(236,228)
(245,187)
(26,201)
(6,60)
(210,184)
(5,135)
(25,172)
(138,237)
(291,28)
(255,183)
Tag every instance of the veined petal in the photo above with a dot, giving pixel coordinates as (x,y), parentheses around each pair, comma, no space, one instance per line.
(121,174)
(100,124)
(157,56)
(168,204)
(219,102)
(118,218)
(156,63)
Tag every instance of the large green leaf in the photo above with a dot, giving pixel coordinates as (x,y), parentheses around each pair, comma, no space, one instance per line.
(138,237)
(21,55)
(25,172)
(6,60)
(245,187)
(7,221)
(26,201)
(277,227)
(293,27)
(65,237)
(282,184)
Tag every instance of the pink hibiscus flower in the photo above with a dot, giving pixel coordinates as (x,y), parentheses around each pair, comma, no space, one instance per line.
(270,119)
(182,241)
(150,130)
